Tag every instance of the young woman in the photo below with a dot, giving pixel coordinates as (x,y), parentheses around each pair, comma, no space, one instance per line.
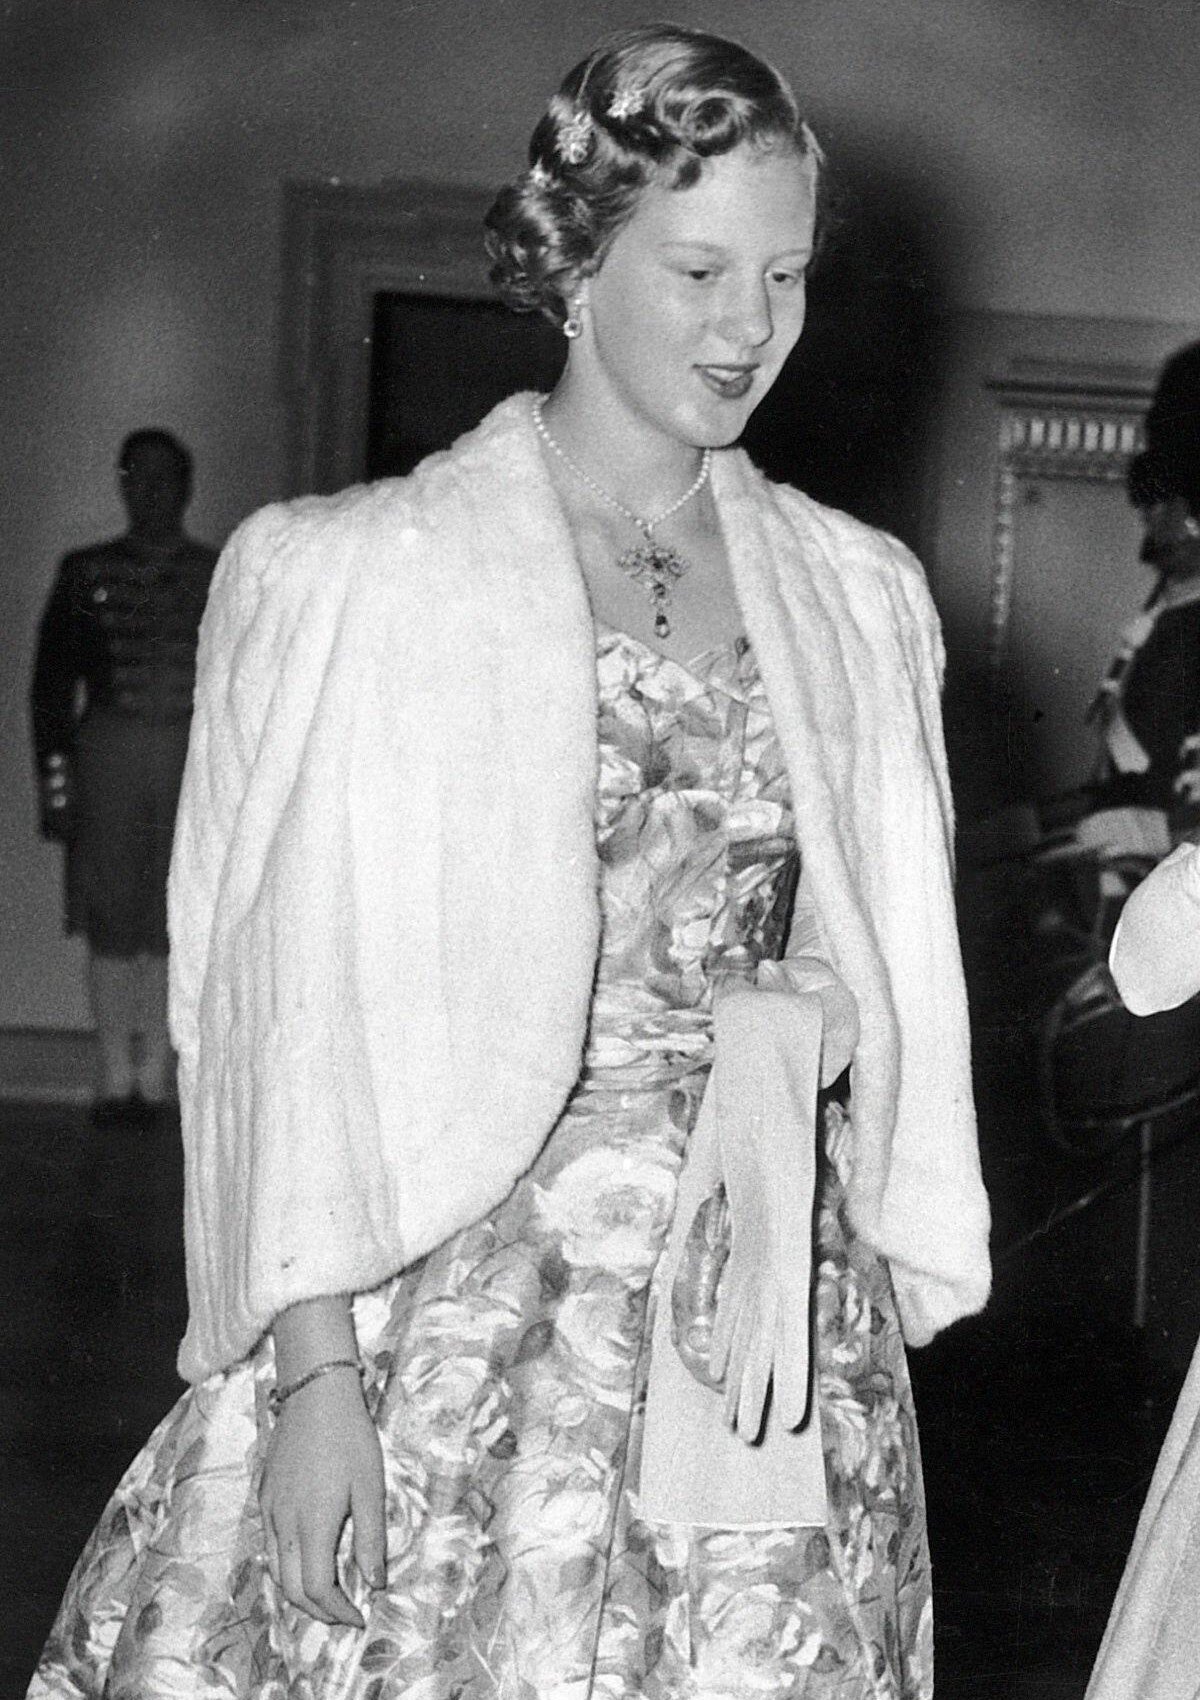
(497,773)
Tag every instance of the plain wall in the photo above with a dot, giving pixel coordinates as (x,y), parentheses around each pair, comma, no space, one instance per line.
(1046,148)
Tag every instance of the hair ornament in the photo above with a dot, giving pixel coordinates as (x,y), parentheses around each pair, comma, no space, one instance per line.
(575,138)
(627,101)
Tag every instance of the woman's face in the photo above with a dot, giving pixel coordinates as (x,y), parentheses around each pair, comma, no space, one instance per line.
(701,297)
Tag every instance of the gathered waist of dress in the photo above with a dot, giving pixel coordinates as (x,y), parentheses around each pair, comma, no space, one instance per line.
(638,1042)
(649,1074)
(649,1049)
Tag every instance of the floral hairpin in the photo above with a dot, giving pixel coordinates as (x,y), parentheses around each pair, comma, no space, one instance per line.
(627,101)
(575,138)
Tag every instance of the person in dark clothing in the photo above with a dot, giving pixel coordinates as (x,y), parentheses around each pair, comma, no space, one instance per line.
(111,705)
(1148,707)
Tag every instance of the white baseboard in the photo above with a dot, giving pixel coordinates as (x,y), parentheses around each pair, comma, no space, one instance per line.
(47,1065)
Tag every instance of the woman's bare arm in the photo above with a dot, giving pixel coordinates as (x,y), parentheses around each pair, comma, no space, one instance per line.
(311,1333)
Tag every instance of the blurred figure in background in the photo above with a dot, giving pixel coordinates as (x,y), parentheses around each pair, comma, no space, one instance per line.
(1148,707)
(111,707)
(1149,1647)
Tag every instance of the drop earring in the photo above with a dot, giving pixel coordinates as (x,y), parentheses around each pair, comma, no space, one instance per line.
(573,323)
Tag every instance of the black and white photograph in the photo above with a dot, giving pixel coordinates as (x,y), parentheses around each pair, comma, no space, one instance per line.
(600,948)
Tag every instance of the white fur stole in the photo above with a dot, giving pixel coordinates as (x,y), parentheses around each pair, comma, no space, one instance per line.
(383,895)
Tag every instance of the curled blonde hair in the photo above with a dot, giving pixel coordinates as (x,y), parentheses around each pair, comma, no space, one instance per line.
(647,105)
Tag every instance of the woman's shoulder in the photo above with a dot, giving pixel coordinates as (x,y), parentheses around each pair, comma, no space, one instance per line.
(293,567)
(365,524)
(857,543)
(857,552)
(282,535)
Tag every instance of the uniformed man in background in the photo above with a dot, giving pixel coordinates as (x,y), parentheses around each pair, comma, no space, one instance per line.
(111,706)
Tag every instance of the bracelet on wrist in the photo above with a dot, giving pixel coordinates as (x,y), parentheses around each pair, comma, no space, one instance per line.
(278,1397)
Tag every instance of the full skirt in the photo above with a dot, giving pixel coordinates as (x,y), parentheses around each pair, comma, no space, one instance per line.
(506,1373)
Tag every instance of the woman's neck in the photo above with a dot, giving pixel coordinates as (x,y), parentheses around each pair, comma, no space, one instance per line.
(644,468)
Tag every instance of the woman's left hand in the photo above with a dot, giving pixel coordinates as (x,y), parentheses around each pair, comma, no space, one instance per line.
(324,1464)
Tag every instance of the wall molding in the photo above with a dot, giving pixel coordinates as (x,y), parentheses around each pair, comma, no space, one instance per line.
(1053,436)
(47,1065)
(342,245)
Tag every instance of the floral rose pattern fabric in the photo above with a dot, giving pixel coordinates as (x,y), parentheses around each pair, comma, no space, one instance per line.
(506,1372)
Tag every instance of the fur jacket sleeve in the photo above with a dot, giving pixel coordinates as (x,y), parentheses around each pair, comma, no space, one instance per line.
(383,908)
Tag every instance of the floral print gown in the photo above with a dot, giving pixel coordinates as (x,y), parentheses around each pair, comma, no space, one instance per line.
(507,1370)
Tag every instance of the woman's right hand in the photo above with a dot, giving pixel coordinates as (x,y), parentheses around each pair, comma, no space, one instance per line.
(324,1463)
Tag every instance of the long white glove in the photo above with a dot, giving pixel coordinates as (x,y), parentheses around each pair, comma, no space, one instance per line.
(1155,954)
(839,1007)
(805,969)
(767,1059)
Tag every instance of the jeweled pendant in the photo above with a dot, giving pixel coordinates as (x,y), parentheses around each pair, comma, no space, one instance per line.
(657,566)
(657,562)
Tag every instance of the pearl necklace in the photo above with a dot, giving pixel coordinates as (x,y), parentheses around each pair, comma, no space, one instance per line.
(654,564)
